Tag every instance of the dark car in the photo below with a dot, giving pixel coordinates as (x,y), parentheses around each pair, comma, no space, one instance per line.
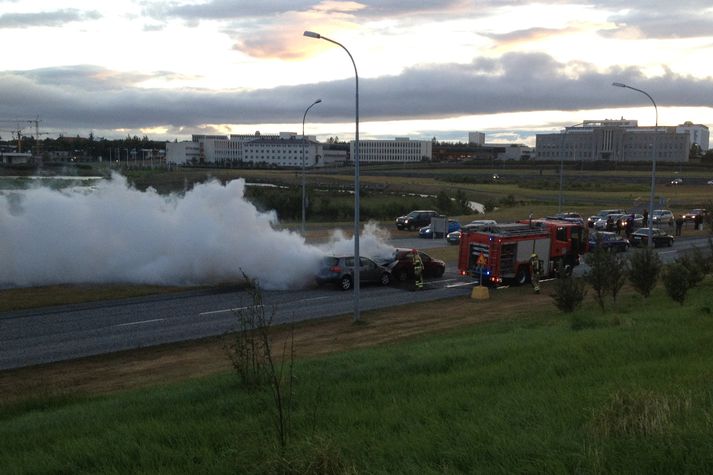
(340,271)
(400,264)
(607,240)
(640,238)
(476,225)
(692,214)
(415,219)
(427,231)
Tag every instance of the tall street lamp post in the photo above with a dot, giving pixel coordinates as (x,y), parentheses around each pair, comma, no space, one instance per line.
(304,145)
(564,137)
(650,222)
(357,263)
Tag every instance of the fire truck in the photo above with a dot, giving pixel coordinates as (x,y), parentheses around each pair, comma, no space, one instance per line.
(501,254)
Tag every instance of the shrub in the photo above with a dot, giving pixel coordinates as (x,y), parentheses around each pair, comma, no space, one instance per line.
(644,269)
(676,281)
(695,264)
(569,294)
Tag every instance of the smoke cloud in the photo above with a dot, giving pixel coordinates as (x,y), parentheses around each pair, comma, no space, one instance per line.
(113,233)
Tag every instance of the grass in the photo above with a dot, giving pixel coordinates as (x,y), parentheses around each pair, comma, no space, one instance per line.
(516,395)
(51,295)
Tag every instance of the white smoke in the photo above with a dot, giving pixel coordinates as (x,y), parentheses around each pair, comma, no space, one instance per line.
(113,233)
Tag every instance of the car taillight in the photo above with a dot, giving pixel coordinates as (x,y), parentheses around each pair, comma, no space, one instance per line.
(336,269)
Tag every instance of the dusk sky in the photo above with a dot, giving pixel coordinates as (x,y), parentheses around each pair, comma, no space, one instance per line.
(510,68)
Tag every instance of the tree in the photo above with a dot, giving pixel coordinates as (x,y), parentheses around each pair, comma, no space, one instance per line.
(598,274)
(644,270)
(675,279)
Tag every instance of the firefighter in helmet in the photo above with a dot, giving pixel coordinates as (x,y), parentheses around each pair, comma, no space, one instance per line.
(535,271)
(417,269)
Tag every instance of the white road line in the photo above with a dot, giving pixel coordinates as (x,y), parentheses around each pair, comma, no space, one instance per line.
(314,298)
(140,323)
(225,310)
(460,284)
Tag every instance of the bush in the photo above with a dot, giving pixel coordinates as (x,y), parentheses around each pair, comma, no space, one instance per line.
(676,281)
(695,265)
(644,269)
(569,294)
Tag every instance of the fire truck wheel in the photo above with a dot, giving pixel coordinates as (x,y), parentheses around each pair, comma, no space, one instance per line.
(522,276)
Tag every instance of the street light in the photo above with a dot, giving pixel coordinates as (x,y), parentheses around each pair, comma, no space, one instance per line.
(564,136)
(304,145)
(650,222)
(355,318)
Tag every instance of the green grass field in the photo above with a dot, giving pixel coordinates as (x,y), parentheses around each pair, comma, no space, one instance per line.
(516,396)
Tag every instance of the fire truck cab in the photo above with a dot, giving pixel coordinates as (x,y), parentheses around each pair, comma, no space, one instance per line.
(502,253)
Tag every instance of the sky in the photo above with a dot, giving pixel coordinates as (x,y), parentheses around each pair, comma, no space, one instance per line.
(511,68)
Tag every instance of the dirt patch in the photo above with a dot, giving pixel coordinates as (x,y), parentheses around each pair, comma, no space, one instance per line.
(175,362)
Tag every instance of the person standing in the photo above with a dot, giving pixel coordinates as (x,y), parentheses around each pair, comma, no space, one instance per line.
(417,270)
(535,270)
(645,221)
(679,225)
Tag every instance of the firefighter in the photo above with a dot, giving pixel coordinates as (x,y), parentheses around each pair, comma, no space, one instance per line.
(417,270)
(535,272)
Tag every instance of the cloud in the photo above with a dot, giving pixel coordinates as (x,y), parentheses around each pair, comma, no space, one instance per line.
(52,19)
(84,98)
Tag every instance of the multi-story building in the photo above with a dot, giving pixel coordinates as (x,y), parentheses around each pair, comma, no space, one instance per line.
(699,134)
(399,150)
(283,150)
(614,140)
(476,138)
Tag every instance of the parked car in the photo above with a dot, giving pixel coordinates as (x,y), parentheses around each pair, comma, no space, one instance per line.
(602,214)
(480,224)
(400,265)
(640,237)
(691,215)
(427,231)
(415,219)
(340,271)
(607,240)
(601,224)
(709,182)
(662,216)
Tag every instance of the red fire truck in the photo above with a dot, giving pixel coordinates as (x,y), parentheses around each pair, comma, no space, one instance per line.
(502,252)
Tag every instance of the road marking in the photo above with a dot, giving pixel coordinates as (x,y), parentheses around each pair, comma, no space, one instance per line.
(460,284)
(225,310)
(314,298)
(140,323)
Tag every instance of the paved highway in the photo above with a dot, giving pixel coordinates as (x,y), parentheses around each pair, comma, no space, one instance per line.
(60,333)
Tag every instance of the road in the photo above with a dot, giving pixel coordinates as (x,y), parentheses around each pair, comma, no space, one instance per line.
(61,333)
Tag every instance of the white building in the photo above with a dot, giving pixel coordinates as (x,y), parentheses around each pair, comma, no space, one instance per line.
(283,150)
(476,138)
(614,140)
(699,134)
(183,152)
(514,151)
(399,150)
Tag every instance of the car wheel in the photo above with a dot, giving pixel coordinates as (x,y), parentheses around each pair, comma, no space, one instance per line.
(409,227)
(522,276)
(385,278)
(345,283)
(440,272)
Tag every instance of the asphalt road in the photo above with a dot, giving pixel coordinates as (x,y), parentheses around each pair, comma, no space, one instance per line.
(60,333)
